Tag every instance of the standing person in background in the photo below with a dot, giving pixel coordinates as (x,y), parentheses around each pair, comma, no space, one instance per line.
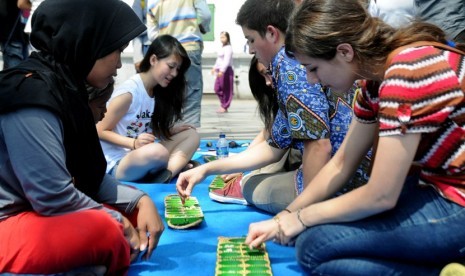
(13,41)
(224,81)
(33,4)
(54,191)
(141,135)
(141,43)
(403,221)
(448,15)
(179,18)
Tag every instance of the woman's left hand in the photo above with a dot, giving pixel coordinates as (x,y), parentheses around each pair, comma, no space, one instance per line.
(281,229)
(149,225)
(180,128)
(131,235)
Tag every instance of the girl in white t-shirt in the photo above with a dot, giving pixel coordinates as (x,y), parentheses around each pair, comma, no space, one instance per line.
(139,134)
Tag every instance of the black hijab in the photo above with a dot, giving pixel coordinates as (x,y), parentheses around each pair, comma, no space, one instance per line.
(70,35)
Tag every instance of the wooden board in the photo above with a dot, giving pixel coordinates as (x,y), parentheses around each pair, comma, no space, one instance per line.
(235,258)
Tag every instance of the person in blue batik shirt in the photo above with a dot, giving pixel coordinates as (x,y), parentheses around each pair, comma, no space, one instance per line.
(310,118)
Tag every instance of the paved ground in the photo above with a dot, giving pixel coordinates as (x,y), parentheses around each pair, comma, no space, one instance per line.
(241,122)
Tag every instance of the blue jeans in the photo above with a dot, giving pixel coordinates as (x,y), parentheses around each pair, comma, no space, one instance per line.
(191,111)
(14,53)
(419,236)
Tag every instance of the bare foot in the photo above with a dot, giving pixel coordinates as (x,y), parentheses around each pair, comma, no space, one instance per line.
(221,110)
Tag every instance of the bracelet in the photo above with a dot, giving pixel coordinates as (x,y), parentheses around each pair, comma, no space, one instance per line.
(287,210)
(300,219)
(276,218)
(134,144)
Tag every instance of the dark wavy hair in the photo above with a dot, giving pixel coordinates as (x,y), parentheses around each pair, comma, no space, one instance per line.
(169,100)
(263,94)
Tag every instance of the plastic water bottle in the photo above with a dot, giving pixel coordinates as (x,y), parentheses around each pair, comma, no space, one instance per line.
(222,147)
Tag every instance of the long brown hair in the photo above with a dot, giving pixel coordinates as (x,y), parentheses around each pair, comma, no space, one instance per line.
(317,27)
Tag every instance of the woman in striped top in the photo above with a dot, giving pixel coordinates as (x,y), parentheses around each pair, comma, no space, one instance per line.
(403,221)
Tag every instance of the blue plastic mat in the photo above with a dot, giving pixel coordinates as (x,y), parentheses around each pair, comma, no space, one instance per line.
(193,251)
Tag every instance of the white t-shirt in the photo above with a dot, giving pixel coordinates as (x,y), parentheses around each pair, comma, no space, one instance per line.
(134,122)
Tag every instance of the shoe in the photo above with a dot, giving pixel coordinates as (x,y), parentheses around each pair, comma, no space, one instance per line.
(231,193)
(453,269)
(162,176)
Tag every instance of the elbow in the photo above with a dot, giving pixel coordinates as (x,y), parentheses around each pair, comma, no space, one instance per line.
(385,202)
(324,147)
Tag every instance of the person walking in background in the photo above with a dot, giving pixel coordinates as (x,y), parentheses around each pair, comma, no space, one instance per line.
(13,41)
(32,4)
(141,43)
(54,192)
(140,134)
(179,18)
(224,81)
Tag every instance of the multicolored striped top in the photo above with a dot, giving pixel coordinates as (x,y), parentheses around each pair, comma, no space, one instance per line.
(179,18)
(423,92)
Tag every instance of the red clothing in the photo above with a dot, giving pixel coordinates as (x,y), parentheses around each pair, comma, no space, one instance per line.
(31,243)
(423,92)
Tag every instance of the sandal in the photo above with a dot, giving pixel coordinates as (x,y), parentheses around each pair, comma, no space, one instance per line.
(191,164)
(162,176)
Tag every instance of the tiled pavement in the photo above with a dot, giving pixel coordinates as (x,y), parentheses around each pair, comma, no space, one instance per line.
(241,122)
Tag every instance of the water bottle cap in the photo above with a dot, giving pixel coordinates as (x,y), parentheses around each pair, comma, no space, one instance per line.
(222,135)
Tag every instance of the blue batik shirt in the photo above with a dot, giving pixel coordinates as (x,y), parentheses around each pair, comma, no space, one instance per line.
(309,112)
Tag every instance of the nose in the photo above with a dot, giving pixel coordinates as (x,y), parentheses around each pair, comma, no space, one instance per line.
(174,72)
(119,64)
(312,78)
(251,50)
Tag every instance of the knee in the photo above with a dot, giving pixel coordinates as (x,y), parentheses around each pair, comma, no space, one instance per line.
(188,137)
(100,235)
(193,137)
(156,153)
(101,222)
(107,244)
(304,255)
(248,190)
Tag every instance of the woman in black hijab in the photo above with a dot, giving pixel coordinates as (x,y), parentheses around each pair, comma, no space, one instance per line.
(59,211)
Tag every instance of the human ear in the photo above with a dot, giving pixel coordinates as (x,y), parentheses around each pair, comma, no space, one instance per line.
(346,51)
(272,33)
(153,59)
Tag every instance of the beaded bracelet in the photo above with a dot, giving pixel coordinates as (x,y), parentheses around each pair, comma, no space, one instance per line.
(300,219)
(287,210)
